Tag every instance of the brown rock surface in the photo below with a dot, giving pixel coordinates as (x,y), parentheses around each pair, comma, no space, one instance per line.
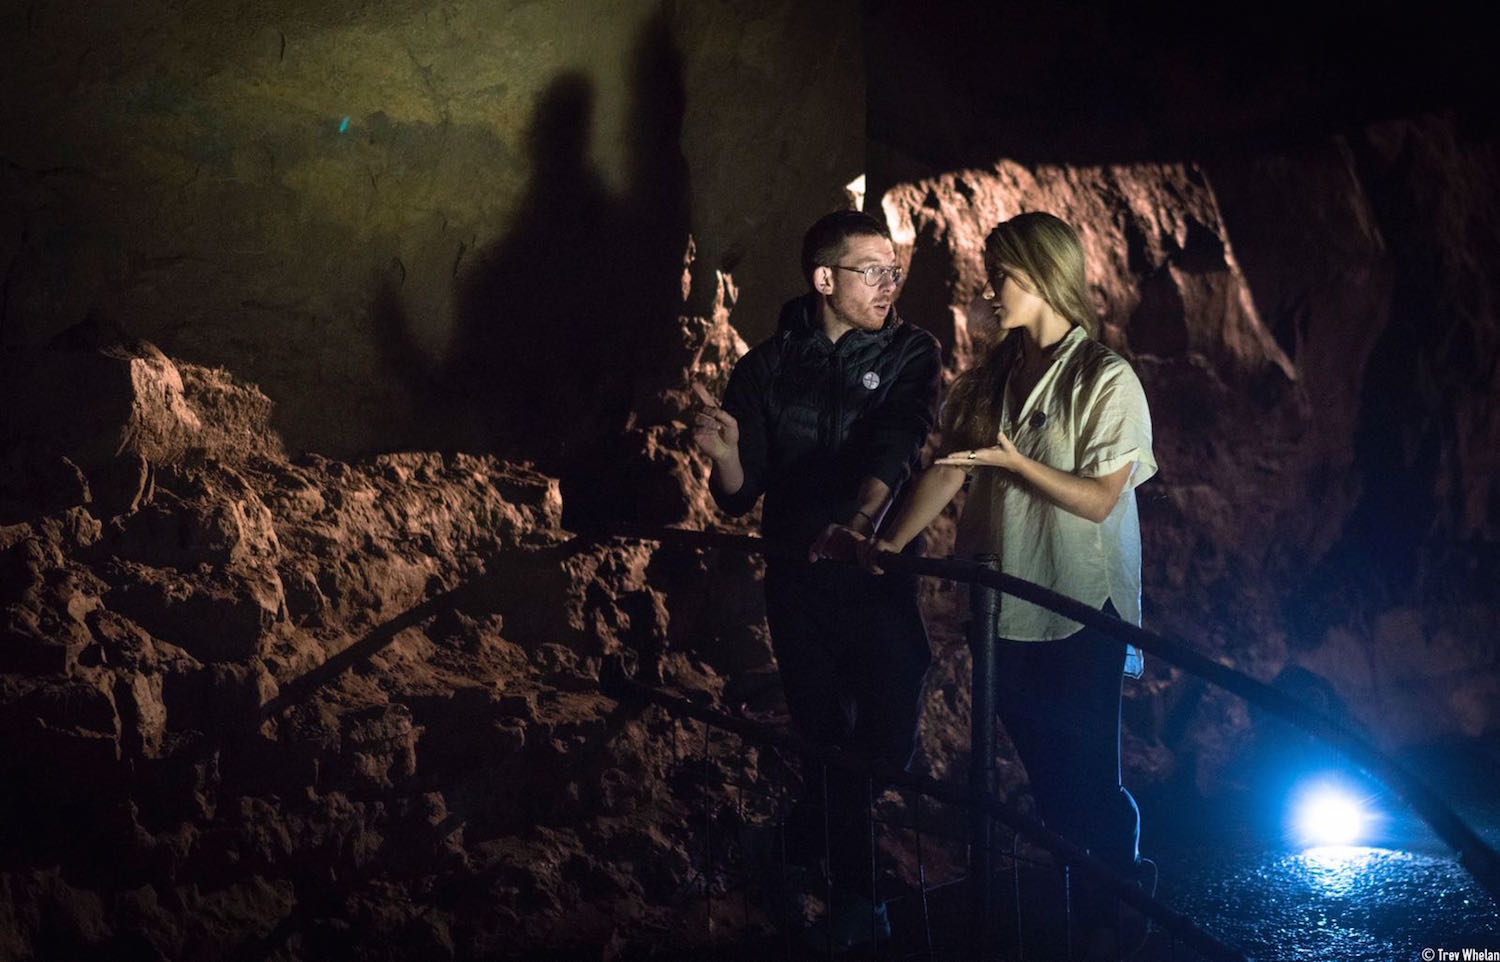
(1319,348)
(281,705)
(303,707)
(90,412)
(272,705)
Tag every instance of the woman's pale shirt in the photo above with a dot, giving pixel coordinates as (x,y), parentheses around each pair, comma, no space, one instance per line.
(1095,422)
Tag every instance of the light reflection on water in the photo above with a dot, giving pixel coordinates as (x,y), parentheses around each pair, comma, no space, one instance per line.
(1343,870)
(1351,903)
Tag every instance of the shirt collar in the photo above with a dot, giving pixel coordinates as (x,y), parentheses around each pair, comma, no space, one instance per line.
(1069,343)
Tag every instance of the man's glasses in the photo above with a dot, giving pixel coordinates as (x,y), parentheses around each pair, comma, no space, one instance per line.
(875,273)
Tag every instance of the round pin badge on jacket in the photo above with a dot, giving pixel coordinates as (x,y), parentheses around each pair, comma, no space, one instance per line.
(871,380)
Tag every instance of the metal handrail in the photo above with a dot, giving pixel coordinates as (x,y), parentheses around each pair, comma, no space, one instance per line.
(1474,854)
(616,683)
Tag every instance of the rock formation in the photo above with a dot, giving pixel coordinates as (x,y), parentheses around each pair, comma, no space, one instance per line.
(1326,495)
(346,703)
(295,707)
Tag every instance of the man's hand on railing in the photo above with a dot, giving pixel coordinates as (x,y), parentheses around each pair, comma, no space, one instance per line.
(867,553)
(835,543)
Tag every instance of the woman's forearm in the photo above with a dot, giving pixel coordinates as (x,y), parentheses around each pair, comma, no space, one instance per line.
(932,492)
(1089,498)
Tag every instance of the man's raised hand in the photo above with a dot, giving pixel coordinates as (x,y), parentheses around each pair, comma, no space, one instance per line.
(715,431)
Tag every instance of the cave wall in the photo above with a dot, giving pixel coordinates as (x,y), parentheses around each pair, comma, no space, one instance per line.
(259,704)
(396,218)
(1292,236)
(350,203)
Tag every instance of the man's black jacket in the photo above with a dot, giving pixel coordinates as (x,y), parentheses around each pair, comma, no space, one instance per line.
(817,418)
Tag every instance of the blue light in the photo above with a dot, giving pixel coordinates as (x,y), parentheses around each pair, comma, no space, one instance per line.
(1329,817)
(1326,813)
(344,125)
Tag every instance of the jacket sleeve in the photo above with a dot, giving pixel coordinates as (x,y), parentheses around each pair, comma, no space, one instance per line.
(745,401)
(894,431)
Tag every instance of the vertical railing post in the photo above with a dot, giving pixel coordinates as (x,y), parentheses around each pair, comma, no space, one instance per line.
(740,829)
(708,837)
(827,862)
(983,606)
(874,860)
(783,890)
(916,821)
(1067,880)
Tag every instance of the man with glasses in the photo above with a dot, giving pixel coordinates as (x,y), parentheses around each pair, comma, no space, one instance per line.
(827,419)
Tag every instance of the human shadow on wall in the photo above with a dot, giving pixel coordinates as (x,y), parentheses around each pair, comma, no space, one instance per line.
(560,324)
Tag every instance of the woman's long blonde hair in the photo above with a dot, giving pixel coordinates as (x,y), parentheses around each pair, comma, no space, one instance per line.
(1047,251)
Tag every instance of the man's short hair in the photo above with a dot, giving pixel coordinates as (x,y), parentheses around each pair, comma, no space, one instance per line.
(824,241)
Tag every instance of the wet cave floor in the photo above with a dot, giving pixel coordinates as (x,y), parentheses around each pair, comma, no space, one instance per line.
(1238,869)
(1394,892)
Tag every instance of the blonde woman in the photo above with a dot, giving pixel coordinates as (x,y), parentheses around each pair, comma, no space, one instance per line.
(1052,432)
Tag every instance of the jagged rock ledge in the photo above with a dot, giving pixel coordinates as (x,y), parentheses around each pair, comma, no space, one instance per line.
(255,703)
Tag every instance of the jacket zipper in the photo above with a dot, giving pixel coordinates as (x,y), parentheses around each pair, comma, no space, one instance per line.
(836,436)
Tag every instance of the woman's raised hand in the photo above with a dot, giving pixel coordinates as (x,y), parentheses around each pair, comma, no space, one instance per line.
(1002,455)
